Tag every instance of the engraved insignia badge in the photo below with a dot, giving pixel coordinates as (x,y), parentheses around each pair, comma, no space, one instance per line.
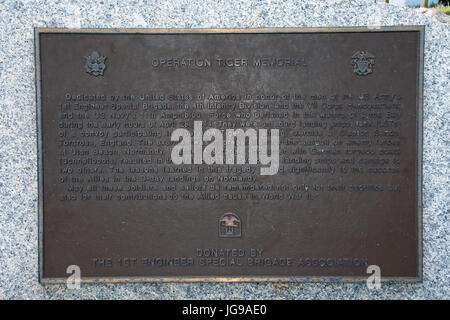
(95,64)
(230,226)
(363,63)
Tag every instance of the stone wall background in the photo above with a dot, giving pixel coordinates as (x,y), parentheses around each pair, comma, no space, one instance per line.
(18,162)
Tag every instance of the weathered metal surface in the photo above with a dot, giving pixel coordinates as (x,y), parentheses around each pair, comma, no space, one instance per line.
(345,193)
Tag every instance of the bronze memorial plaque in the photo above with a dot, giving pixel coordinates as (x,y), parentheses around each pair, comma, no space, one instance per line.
(230,154)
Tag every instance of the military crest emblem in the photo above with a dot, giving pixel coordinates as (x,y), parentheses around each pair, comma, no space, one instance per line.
(230,226)
(363,63)
(95,64)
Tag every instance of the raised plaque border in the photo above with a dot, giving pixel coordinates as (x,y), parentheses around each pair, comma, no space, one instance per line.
(123,279)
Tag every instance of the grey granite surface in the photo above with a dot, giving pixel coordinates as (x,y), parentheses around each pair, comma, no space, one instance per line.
(18,164)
